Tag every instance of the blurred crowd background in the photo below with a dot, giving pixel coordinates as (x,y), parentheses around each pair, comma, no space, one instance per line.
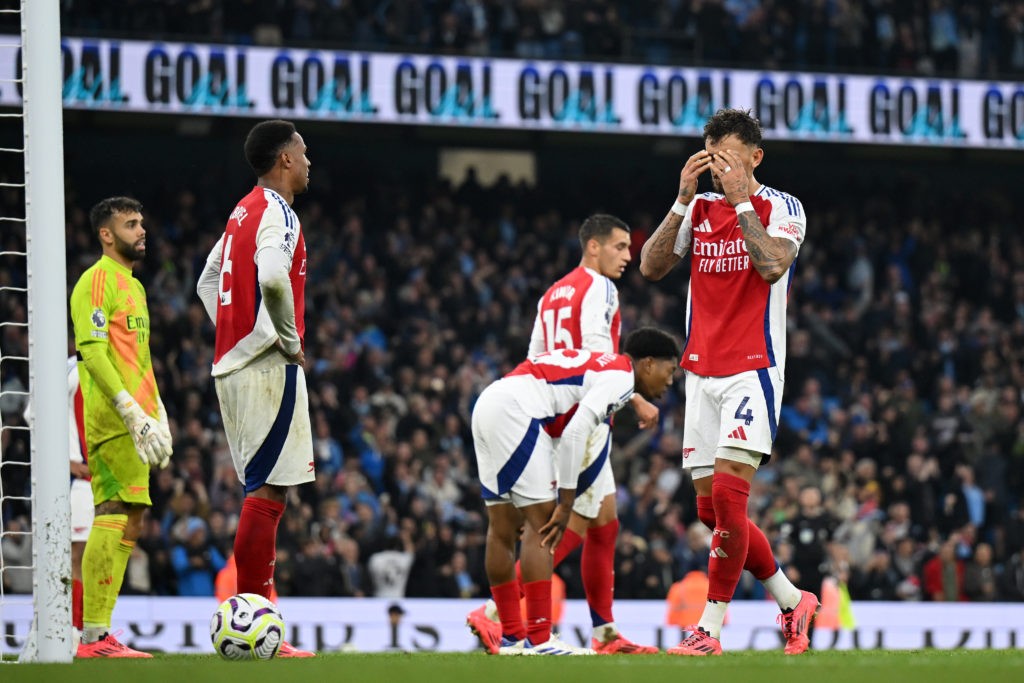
(970,38)
(899,466)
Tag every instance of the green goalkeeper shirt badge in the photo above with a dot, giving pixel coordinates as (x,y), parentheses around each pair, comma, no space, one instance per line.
(98,319)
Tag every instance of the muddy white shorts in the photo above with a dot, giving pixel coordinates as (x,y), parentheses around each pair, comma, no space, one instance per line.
(738,411)
(82,510)
(266,418)
(595,480)
(514,455)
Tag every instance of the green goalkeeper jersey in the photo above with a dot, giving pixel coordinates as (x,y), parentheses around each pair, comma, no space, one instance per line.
(111,321)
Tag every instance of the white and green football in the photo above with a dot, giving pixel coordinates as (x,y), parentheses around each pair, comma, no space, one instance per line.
(247,626)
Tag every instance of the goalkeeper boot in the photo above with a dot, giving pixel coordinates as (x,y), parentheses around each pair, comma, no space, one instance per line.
(108,646)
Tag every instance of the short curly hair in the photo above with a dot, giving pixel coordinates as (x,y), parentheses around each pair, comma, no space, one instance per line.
(265,141)
(738,122)
(651,342)
(102,212)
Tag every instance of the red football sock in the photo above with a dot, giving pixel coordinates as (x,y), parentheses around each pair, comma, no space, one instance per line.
(729,494)
(570,541)
(256,545)
(538,611)
(76,604)
(706,511)
(597,569)
(506,597)
(760,561)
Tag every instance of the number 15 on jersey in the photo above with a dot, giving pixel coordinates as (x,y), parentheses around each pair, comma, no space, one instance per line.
(556,334)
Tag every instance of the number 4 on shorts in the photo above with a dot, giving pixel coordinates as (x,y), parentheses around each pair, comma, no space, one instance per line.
(748,416)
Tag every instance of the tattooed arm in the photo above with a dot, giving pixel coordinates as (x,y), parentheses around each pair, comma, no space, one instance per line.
(770,256)
(658,256)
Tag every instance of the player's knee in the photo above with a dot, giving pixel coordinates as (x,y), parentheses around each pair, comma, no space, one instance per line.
(133,529)
(706,513)
(501,528)
(579,524)
(271,492)
(738,462)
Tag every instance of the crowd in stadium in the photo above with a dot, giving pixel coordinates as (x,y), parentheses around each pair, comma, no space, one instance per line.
(970,38)
(899,465)
(900,459)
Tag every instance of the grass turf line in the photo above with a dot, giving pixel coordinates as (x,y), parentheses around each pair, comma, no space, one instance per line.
(872,666)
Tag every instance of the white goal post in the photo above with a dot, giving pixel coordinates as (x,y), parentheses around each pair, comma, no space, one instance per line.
(43,148)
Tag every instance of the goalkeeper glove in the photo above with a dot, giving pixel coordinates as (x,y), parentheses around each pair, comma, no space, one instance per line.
(166,427)
(149,438)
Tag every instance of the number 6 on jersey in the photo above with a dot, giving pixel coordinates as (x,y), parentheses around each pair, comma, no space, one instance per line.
(225,273)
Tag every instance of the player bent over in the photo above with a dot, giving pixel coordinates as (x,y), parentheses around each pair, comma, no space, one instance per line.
(581,311)
(527,481)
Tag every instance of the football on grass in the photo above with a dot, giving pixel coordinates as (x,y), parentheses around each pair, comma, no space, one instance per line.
(247,626)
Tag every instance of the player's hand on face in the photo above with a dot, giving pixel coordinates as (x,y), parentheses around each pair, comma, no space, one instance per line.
(552,531)
(695,165)
(729,167)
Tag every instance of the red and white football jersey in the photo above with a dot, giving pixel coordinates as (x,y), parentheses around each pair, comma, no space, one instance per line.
(551,386)
(735,321)
(262,220)
(76,415)
(580,311)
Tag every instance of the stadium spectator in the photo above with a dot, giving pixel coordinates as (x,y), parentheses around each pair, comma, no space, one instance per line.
(969,258)
(195,560)
(968,38)
(810,533)
(943,574)
(389,568)
(16,553)
(981,579)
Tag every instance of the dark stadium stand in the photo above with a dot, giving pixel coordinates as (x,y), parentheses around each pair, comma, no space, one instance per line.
(967,38)
(905,377)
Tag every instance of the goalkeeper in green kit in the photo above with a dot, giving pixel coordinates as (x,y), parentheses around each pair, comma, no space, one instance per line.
(126,429)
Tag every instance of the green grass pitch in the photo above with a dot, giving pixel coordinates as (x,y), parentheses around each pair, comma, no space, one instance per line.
(873,666)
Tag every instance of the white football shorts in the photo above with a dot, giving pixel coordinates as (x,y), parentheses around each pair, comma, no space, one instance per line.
(595,480)
(265,411)
(82,510)
(739,411)
(514,455)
